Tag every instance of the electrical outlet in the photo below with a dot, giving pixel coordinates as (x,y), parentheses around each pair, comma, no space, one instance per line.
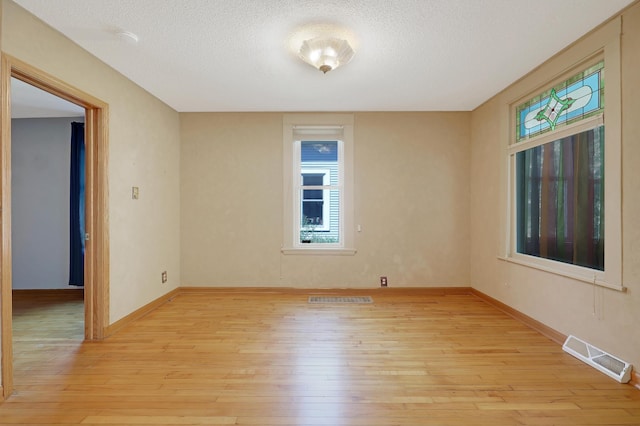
(135,192)
(164,277)
(383,281)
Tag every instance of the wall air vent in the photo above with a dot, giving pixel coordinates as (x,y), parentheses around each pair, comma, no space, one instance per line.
(598,359)
(340,299)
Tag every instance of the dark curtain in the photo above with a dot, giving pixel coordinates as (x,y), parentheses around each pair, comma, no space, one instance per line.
(77,201)
(560,204)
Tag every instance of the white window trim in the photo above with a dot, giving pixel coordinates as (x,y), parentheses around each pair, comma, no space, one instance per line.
(611,277)
(297,127)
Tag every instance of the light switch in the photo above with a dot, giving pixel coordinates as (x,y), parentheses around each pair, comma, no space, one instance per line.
(134,192)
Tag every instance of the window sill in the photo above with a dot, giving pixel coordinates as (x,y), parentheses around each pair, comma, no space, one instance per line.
(562,273)
(315,251)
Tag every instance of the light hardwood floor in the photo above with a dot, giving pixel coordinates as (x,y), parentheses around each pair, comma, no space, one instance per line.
(270,358)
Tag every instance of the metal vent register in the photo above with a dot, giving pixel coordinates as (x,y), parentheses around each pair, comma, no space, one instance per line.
(598,359)
(340,299)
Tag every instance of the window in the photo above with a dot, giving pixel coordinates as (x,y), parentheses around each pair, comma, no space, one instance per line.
(318,175)
(314,208)
(558,156)
(576,99)
(320,200)
(318,191)
(560,200)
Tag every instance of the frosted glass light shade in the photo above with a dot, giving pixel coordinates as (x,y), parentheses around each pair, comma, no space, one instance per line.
(326,54)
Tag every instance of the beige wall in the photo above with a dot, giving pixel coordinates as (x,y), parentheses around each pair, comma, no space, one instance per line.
(607,318)
(144,151)
(411,200)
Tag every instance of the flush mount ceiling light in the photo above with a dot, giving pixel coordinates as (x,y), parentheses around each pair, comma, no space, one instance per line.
(326,54)
(127,37)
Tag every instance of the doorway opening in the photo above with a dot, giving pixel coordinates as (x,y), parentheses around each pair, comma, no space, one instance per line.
(96,260)
(47,217)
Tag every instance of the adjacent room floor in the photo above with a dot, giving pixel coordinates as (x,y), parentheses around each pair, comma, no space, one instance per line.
(271,358)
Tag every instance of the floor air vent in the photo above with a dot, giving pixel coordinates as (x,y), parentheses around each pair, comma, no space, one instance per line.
(340,299)
(598,359)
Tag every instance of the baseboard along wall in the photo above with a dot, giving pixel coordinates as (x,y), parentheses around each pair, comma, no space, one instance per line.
(139,313)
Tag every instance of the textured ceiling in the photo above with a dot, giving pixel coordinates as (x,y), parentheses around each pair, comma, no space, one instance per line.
(239,55)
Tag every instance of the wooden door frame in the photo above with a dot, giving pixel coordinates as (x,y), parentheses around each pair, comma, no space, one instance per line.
(96,272)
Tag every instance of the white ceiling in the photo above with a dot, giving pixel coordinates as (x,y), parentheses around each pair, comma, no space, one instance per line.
(239,55)
(30,102)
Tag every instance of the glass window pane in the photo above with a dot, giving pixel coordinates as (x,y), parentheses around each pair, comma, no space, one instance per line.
(576,98)
(312,194)
(312,212)
(320,219)
(318,151)
(560,200)
(319,195)
(312,179)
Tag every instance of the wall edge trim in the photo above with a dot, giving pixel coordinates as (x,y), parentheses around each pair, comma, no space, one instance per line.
(534,324)
(635,379)
(338,290)
(140,312)
(71,293)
